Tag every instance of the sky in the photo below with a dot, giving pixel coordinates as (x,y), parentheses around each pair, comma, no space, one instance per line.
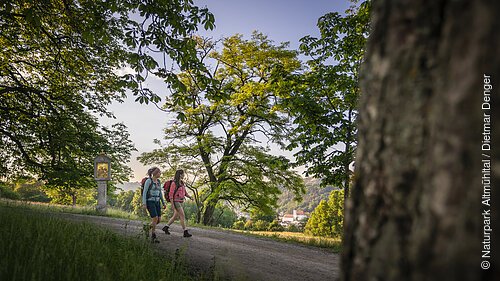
(280,20)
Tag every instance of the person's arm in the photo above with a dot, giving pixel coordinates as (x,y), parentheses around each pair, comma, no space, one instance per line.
(171,195)
(187,195)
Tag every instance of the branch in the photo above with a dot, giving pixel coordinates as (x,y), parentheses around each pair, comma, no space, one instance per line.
(22,150)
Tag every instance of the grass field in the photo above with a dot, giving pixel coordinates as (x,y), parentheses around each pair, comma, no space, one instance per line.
(83,210)
(37,246)
(333,244)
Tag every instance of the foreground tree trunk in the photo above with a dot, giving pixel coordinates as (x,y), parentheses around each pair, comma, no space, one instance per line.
(416,210)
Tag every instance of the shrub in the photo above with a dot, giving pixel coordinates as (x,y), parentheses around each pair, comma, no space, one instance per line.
(124,200)
(31,190)
(137,204)
(249,225)
(260,225)
(239,225)
(293,228)
(224,216)
(275,226)
(7,192)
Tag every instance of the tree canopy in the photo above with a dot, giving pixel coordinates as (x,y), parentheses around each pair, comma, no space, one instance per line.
(59,67)
(222,112)
(325,97)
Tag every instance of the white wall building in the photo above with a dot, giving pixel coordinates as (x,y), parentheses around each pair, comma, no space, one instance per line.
(295,218)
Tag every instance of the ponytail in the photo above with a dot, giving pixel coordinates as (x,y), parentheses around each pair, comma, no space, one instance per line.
(151,171)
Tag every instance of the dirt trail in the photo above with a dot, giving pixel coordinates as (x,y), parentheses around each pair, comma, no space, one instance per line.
(233,256)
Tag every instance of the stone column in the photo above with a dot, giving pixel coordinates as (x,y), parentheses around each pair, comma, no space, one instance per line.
(101,195)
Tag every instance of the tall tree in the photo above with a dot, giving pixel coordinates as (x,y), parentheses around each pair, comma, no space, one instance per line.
(60,62)
(327,219)
(417,210)
(325,100)
(75,170)
(221,111)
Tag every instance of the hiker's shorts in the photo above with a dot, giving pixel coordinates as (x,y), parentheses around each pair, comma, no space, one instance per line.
(178,205)
(154,208)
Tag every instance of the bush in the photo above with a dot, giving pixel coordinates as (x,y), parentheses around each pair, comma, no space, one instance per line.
(239,225)
(7,192)
(249,225)
(190,210)
(124,200)
(260,225)
(31,190)
(293,228)
(224,217)
(137,208)
(275,226)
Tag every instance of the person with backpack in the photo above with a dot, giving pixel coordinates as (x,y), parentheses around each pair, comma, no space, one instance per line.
(151,198)
(176,196)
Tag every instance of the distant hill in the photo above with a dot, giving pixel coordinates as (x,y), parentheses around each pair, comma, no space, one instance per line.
(314,195)
(126,186)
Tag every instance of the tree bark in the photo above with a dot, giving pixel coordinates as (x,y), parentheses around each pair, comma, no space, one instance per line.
(415,211)
(209,211)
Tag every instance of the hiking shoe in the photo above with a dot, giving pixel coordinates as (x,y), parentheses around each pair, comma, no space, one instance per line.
(165,228)
(154,239)
(187,234)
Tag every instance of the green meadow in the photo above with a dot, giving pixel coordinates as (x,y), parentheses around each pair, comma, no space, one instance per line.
(37,246)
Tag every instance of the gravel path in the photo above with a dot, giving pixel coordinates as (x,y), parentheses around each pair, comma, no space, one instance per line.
(233,256)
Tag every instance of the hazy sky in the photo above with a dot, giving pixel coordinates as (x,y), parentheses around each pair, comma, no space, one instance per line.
(281,20)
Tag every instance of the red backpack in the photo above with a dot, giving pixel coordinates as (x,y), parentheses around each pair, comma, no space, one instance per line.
(166,189)
(143,181)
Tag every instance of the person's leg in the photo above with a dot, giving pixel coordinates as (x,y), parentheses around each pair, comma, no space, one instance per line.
(153,212)
(173,218)
(157,214)
(154,222)
(170,222)
(182,217)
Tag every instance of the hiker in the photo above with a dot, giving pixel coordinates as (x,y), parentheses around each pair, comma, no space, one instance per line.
(176,196)
(151,197)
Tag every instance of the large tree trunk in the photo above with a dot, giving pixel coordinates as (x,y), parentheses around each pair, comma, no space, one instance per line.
(209,212)
(416,211)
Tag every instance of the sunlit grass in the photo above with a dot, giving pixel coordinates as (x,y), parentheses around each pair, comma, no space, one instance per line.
(38,246)
(334,244)
(83,210)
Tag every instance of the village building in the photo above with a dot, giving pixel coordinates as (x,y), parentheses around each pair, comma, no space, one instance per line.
(296,218)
